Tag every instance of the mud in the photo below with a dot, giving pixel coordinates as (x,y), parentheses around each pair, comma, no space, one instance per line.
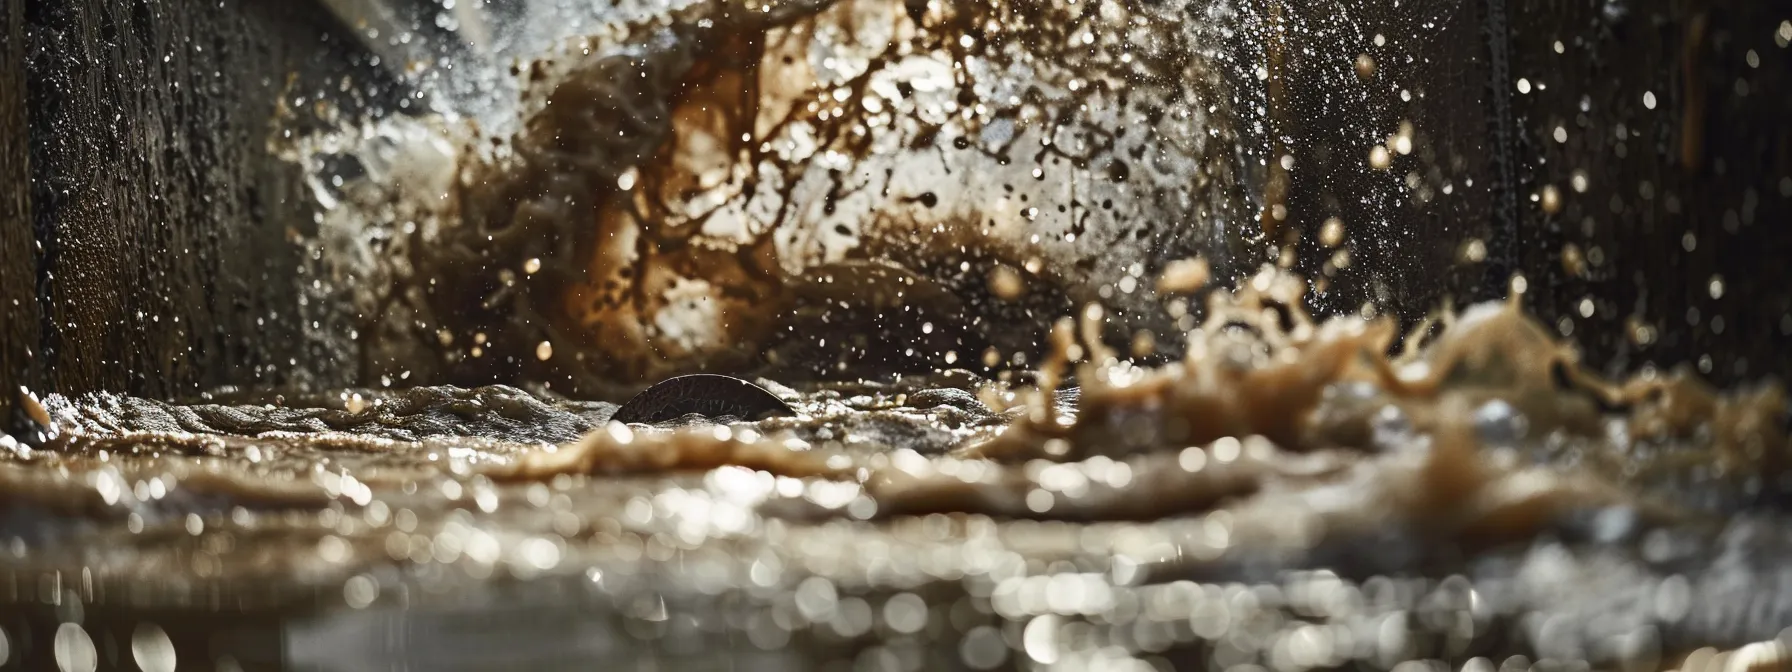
(1285,480)
(809,190)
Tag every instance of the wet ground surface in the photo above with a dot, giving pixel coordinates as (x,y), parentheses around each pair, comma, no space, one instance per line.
(901,524)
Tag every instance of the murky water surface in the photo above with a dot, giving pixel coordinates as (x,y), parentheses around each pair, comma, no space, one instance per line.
(1284,495)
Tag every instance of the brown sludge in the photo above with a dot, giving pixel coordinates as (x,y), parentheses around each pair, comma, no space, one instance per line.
(675,187)
(1303,398)
(1276,443)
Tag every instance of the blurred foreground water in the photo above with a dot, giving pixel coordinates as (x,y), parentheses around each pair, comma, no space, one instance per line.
(1283,496)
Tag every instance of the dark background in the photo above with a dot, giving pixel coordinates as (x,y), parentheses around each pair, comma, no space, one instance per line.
(1711,160)
(148,240)
(147,237)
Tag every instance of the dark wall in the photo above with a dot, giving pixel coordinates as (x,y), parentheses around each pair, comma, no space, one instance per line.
(1673,196)
(155,249)
(1405,224)
(1696,189)
(19,323)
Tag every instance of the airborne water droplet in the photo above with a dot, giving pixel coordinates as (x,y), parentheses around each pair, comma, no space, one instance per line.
(1006,283)
(1365,67)
(1331,234)
(1379,158)
(1551,199)
(73,649)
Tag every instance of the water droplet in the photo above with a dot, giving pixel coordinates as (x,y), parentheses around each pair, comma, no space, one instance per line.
(332,548)
(1184,276)
(1005,283)
(906,613)
(1365,67)
(73,649)
(1331,233)
(1192,459)
(1040,639)
(982,648)
(1379,158)
(541,553)
(1226,449)
(816,598)
(360,591)
(1144,342)
(1551,199)
(1475,251)
(620,433)
(1497,423)
(152,649)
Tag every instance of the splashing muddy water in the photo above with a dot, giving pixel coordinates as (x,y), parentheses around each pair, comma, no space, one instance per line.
(1283,483)
(710,190)
(922,227)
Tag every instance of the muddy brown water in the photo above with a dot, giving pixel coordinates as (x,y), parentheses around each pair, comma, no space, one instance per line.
(1284,496)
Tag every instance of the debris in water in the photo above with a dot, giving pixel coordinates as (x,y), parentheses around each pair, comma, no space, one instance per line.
(705,394)
(1184,276)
